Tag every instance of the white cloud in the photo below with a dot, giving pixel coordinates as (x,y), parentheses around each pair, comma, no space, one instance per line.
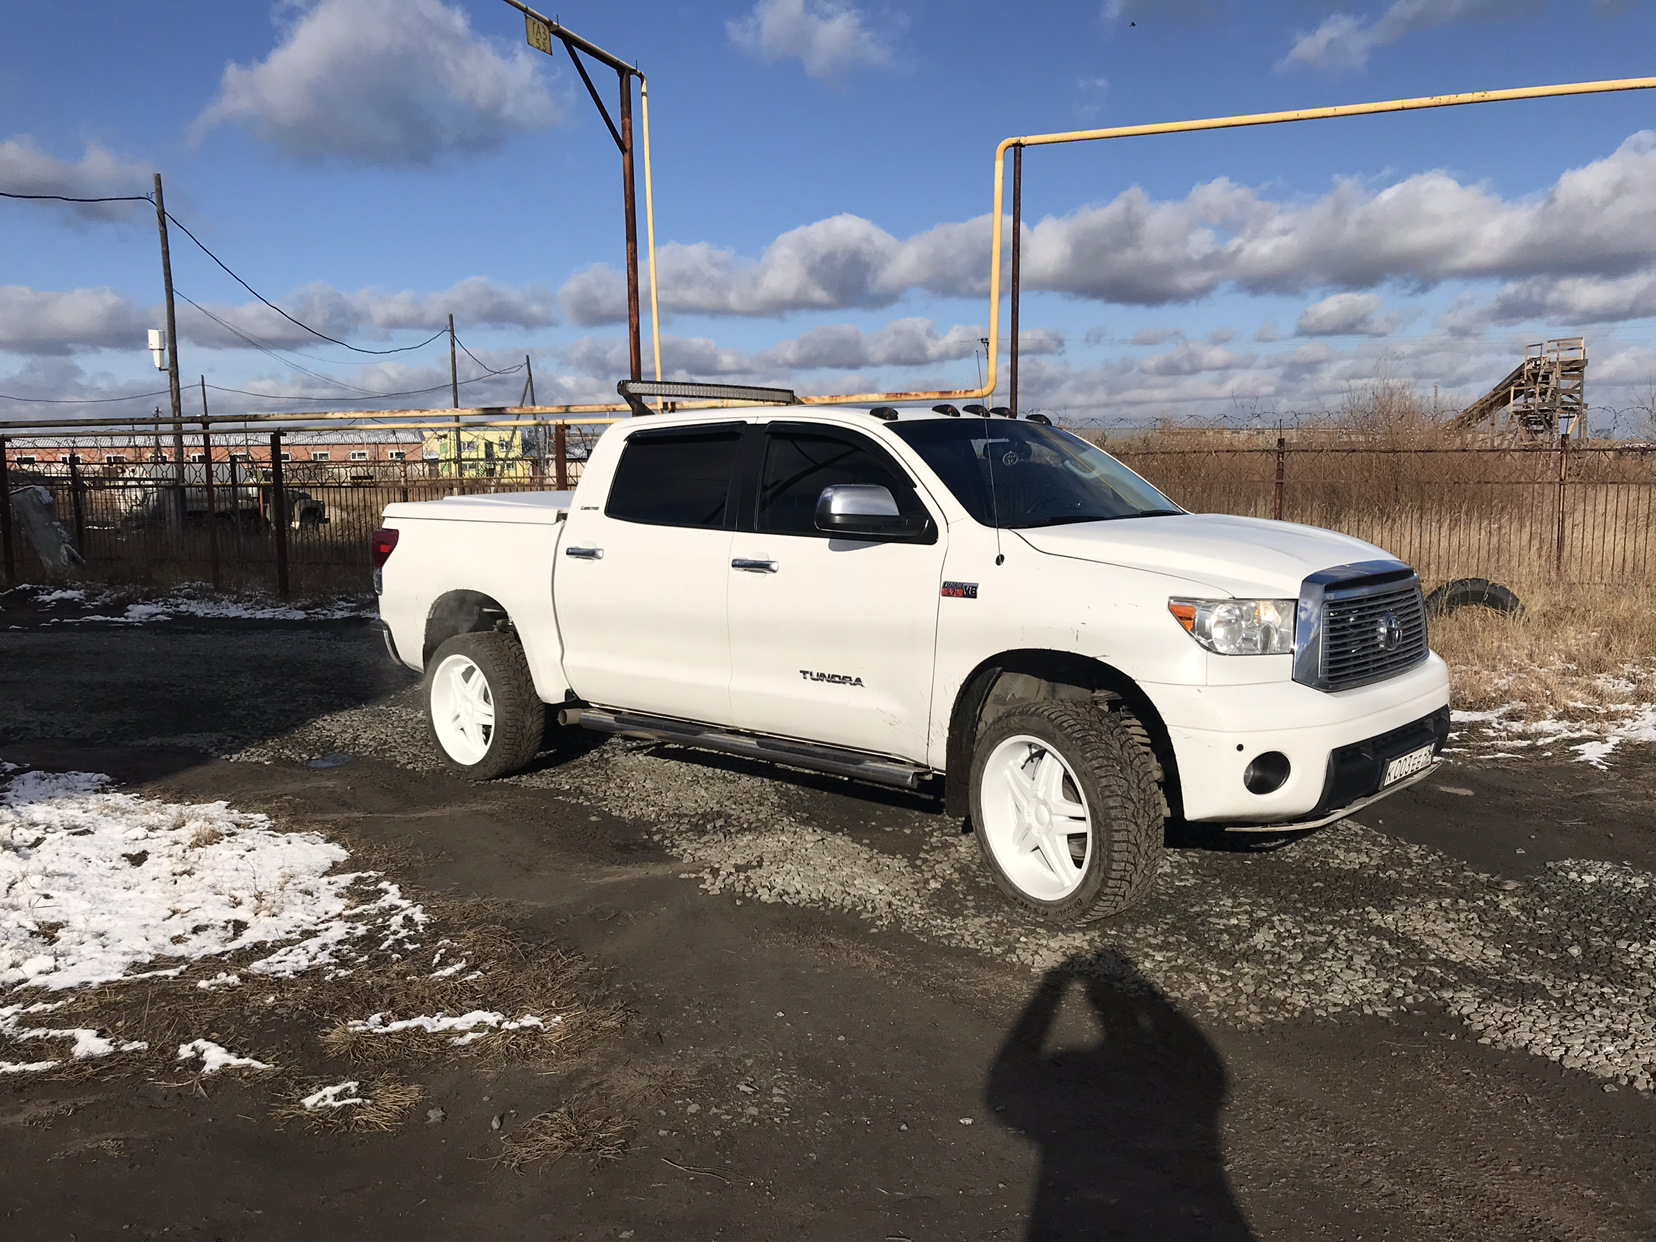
(34,321)
(1346,314)
(389,82)
(1164,10)
(48,322)
(1576,300)
(370,313)
(1191,357)
(826,37)
(1597,221)
(1344,41)
(832,264)
(100,172)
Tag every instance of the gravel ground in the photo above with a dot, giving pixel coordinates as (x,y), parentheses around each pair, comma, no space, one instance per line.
(1345,921)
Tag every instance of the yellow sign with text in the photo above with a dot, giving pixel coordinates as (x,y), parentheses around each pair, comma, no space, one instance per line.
(540,34)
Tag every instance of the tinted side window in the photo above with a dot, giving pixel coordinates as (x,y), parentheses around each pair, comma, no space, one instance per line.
(676,478)
(801,461)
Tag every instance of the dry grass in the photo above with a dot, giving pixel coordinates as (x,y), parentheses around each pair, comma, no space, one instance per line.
(573,1129)
(1571,656)
(388,1103)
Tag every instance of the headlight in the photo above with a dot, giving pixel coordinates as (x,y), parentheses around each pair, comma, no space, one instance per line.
(1238,626)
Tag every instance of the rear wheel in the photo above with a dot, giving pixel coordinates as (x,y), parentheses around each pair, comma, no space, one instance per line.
(1067,810)
(481,705)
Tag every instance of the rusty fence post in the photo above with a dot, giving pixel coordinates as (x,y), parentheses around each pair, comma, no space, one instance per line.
(1563,483)
(212,500)
(278,513)
(1281,464)
(77,503)
(6,518)
(560,453)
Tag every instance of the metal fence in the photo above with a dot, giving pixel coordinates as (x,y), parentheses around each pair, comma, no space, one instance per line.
(1571,514)
(1576,514)
(303,528)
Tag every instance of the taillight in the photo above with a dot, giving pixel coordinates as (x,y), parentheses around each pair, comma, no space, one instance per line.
(384,540)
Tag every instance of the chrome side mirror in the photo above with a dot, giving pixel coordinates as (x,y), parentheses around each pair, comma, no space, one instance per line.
(865,509)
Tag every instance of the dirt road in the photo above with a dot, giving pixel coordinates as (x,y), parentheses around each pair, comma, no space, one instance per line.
(1439,1022)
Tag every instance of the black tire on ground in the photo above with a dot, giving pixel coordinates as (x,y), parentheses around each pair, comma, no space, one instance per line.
(519,714)
(1117,778)
(1473,593)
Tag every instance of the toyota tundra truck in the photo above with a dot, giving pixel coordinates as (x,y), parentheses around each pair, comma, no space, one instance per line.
(988,607)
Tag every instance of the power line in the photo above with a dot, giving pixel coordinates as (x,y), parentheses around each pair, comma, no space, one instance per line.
(413,392)
(483,364)
(297,323)
(65,198)
(265,347)
(4,396)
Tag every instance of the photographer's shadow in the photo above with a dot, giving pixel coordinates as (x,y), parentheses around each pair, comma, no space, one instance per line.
(1128,1126)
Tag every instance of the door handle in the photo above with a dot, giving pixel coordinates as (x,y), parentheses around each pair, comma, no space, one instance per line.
(753,567)
(586,554)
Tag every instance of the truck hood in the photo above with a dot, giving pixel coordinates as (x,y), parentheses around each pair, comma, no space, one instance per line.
(1241,556)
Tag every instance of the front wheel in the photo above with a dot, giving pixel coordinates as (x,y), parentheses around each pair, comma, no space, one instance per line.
(481,705)
(1067,810)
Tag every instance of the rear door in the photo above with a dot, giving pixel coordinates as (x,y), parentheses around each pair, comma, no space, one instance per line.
(832,639)
(641,583)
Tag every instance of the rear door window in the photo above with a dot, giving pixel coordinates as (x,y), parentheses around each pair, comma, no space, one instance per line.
(678,476)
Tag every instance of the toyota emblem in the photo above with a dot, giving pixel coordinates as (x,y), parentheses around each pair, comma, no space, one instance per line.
(1389,632)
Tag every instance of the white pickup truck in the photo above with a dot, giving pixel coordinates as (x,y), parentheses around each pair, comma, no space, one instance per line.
(906,598)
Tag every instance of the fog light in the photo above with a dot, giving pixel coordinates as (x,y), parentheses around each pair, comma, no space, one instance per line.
(1266,773)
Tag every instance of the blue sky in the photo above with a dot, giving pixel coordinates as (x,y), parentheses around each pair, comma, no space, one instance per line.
(822,187)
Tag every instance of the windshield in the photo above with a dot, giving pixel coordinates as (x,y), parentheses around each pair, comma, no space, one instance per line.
(1029,474)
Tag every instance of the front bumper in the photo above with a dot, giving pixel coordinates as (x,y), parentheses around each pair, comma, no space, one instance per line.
(1336,743)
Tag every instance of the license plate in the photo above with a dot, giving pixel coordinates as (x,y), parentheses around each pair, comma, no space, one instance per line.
(1407,765)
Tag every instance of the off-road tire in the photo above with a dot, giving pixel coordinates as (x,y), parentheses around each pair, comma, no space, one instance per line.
(520,716)
(1473,593)
(1117,775)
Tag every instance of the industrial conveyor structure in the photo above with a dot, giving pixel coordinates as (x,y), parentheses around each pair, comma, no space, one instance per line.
(1543,397)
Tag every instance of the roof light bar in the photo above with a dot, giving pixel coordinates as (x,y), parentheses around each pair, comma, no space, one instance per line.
(638,391)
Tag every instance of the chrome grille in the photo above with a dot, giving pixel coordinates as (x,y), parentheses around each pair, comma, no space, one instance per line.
(1371,632)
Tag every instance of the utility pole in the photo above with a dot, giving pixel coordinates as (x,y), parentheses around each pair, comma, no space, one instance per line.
(454,387)
(541,30)
(635,351)
(172,352)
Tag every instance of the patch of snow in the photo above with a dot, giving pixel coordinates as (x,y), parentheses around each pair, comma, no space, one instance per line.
(337,1096)
(167,608)
(215,1057)
(1596,753)
(220,980)
(94,884)
(88,1044)
(488,1020)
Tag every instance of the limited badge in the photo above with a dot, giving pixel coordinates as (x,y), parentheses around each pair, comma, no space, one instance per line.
(960,590)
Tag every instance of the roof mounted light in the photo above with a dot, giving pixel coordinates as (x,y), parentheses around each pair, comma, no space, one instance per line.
(637,391)
(1002,411)
(977,411)
(1038,418)
(946,409)
(885,412)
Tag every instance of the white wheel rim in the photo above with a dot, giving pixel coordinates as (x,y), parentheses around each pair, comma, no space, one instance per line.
(462,709)
(1035,818)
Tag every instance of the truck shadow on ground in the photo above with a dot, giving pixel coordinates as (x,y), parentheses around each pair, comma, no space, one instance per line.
(1126,1121)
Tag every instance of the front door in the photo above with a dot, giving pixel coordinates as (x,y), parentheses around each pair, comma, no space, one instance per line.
(832,639)
(640,584)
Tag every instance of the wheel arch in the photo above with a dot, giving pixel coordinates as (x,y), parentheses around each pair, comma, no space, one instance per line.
(1034,674)
(461,612)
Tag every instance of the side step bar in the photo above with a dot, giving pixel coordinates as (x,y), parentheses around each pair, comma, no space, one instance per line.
(875,769)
